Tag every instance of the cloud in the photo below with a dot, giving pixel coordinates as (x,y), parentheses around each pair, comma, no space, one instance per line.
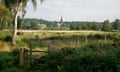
(76,10)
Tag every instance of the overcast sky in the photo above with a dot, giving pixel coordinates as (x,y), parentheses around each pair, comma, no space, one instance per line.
(76,10)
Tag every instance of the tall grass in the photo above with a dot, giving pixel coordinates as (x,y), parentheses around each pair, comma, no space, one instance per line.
(97,57)
(78,52)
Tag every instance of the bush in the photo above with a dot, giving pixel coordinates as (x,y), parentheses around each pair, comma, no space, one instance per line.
(12,69)
(9,61)
(90,63)
(99,57)
(8,38)
(20,33)
(4,35)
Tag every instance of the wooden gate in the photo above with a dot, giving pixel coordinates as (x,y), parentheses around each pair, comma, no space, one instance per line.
(26,57)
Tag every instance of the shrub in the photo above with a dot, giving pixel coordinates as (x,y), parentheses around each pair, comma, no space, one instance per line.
(20,33)
(9,61)
(8,38)
(12,69)
(99,57)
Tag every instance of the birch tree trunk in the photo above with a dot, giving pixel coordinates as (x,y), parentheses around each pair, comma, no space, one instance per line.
(16,23)
(14,29)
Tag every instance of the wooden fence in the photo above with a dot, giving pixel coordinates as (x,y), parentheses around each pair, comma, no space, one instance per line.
(26,57)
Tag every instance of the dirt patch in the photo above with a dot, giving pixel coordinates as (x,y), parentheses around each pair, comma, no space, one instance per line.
(4,46)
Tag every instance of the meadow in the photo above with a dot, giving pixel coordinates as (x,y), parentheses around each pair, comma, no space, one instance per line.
(73,51)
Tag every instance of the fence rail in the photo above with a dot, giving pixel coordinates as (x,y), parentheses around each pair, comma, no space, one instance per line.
(26,57)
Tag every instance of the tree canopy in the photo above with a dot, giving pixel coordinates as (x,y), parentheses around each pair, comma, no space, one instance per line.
(116,24)
(106,26)
(16,7)
(5,15)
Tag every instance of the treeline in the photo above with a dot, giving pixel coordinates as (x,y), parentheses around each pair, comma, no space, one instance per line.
(73,25)
(84,25)
(37,24)
(52,25)
(33,23)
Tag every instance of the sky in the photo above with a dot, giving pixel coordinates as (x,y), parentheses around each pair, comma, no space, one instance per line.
(75,10)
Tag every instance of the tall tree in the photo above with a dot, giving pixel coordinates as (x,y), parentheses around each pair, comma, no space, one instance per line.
(5,15)
(17,7)
(116,24)
(106,26)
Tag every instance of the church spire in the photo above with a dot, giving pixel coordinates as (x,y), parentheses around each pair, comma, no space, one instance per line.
(60,22)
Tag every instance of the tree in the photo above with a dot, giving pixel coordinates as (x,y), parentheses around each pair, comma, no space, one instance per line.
(116,24)
(16,7)
(19,22)
(106,26)
(93,26)
(5,15)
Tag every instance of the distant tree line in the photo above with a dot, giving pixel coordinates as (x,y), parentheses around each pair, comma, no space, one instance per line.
(74,25)
(85,26)
(32,24)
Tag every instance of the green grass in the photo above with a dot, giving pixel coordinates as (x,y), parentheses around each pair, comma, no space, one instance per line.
(75,49)
(56,39)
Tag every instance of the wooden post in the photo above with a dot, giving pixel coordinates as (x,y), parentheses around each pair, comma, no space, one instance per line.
(24,55)
(21,56)
(25,60)
(30,53)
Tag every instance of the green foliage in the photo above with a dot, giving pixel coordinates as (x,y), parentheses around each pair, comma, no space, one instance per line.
(106,26)
(35,42)
(116,24)
(98,55)
(74,25)
(5,16)
(52,25)
(5,36)
(8,38)
(12,69)
(92,58)
(9,61)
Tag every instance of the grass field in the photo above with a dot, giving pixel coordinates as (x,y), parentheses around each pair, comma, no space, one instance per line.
(85,51)
(40,38)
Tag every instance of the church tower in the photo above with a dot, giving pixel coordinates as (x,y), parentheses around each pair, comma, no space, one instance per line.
(60,23)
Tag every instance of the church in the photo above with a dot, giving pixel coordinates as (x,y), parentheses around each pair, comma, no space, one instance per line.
(60,23)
